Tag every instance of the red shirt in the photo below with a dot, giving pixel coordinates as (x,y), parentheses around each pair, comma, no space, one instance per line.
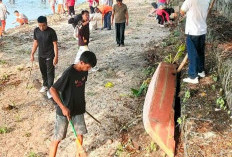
(71,2)
(91,2)
(160,12)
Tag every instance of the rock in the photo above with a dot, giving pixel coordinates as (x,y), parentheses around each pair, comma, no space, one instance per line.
(136,145)
(37,84)
(109,141)
(7,107)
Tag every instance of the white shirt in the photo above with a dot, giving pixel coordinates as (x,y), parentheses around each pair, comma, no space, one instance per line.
(3,10)
(107,2)
(196,12)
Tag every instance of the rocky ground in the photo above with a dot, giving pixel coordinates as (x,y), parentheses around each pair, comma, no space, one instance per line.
(27,117)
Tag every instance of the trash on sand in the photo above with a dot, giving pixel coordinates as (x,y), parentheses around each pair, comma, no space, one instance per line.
(109,85)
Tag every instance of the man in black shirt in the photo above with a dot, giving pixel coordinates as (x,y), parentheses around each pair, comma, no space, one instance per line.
(69,94)
(46,39)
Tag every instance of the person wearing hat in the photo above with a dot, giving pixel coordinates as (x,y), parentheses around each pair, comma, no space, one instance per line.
(195,29)
(120,13)
(106,12)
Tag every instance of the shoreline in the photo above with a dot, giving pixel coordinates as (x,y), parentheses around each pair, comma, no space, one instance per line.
(78,6)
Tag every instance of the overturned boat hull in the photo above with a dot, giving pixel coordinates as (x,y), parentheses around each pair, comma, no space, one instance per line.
(158,110)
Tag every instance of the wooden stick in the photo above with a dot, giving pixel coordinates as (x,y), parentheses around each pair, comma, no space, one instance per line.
(211,6)
(186,56)
(29,74)
(93,117)
(182,63)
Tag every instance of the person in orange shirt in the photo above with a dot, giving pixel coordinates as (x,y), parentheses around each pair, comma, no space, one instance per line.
(20,18)
(106,12)
(0,29)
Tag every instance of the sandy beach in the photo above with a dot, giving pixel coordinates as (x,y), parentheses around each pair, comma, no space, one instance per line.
(30,122)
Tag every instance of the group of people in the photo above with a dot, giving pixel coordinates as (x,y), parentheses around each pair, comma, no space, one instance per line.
(63,6)
(68,91)
(20,18)
(196,12)
(162,12)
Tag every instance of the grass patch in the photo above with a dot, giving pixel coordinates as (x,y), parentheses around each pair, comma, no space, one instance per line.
(4,130)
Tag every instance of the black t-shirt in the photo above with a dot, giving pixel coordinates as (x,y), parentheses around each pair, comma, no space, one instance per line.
(45,41)
(77,20)
(83,32)
(71,87)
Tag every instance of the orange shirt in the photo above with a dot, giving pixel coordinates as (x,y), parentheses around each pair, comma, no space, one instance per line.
(105,9)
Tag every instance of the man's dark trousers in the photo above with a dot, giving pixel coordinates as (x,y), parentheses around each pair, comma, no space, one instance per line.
(196,54)
(120,30)
(107,20)
(47,70)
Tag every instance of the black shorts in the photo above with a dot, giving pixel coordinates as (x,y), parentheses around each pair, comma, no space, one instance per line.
(154,4)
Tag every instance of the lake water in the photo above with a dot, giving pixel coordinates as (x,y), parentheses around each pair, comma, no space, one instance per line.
(31,8)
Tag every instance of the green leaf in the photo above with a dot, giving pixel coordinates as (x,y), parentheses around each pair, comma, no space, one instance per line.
(134,91)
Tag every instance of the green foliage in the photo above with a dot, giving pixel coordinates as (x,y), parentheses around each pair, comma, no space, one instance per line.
(170,59)
(3,130)
(187,95)
(221,103)
(2,62)
(149,71)
(5,77)
(213,87)
(119,149)
(181,120)
(143,87)
(33,154)
(176,33)
(215,77)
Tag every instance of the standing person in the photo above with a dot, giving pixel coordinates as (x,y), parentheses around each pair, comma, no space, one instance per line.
(120,13)
(60,7)
(3,16)
(66,5)
(71,4)
(52,5)
(69,94)
(93,4)
(83,37)
(106,12)
(107,2)
(20,18)
(83,34)
(0,29)
(46,39)
(195,29)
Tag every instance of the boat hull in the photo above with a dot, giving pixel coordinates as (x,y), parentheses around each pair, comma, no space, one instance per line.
(158,111)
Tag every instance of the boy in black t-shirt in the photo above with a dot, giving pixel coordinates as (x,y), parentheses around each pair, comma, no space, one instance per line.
(46,39)
(69,94)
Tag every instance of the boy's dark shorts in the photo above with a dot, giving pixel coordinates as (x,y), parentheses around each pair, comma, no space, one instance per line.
(154,4)
(61,126)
